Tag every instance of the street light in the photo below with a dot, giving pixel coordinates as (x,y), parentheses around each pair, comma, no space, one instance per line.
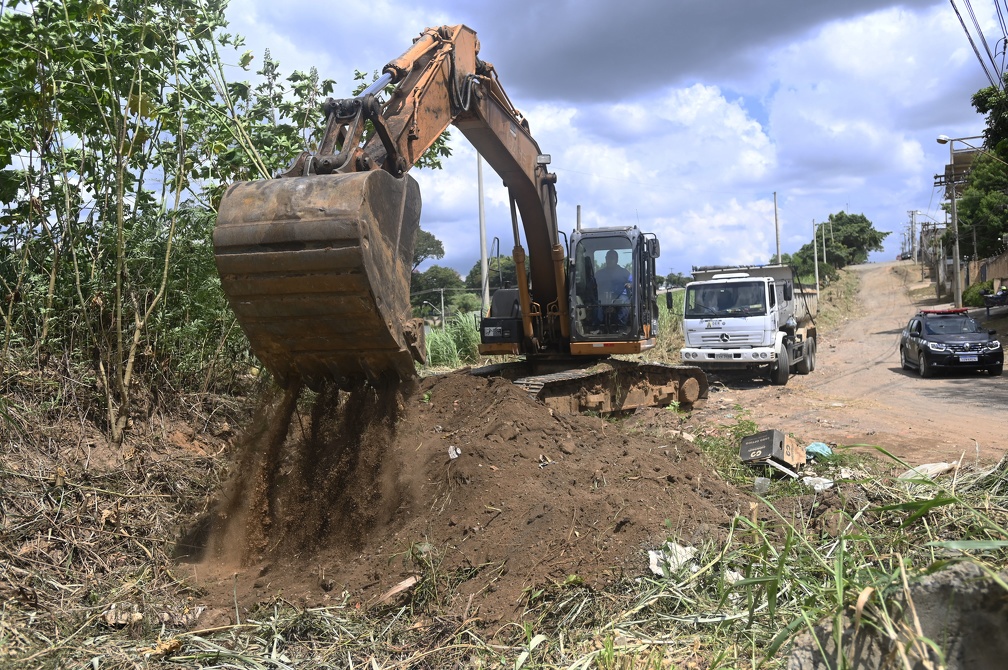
(945,139)
(440,313)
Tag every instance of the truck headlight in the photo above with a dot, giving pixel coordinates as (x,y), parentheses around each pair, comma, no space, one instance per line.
(994,345)
(936,346)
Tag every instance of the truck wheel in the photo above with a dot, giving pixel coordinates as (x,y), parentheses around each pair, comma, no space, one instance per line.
(780,374)
(804,366)
(925,368)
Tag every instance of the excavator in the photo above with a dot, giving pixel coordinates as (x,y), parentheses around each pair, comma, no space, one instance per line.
(316,262)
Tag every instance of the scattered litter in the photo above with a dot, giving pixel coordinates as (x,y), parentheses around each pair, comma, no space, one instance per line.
(819,484)
(669,558)
(817,449)
(454,452)
(928,470)
(849,473)
(122,614)
(545,460)
(761,485)
(733,576)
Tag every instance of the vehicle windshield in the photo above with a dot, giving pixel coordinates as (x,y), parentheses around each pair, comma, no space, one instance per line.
(952,326)
(704,301)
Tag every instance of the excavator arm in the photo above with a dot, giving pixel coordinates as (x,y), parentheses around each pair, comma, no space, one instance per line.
(316,264)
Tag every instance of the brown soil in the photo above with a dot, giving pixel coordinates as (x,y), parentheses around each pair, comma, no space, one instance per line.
(358,493)
(363,493)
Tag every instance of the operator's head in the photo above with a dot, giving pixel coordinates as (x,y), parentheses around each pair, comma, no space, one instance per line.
(612,257)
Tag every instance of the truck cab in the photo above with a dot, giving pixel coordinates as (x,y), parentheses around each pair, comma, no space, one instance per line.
(748,318)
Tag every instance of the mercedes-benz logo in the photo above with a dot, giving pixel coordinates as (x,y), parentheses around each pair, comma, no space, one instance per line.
(724,337)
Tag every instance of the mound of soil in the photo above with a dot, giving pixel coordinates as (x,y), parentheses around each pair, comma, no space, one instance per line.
(458,476)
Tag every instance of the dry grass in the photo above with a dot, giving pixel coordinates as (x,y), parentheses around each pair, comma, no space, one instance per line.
(87,578)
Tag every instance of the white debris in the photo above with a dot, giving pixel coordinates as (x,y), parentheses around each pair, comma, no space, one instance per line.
(819,484)
(454,452)
(669,558)
(928,470)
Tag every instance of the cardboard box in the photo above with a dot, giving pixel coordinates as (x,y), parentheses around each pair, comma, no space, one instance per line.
(772,447)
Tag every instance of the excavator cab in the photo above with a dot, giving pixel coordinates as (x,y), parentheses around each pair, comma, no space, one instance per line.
(612,286)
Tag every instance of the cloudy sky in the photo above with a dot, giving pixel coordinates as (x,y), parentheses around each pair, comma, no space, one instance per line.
(683,117)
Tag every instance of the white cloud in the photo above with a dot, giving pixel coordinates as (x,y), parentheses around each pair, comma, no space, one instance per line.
(683,118)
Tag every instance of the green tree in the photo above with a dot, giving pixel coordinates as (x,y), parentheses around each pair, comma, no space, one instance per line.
(500,273)
(676,279)
(982,207)
(849,240)
(429,284)
(427,246)
(97,151)
(992,102)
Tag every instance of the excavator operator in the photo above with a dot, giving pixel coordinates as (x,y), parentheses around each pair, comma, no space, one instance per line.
(613,282)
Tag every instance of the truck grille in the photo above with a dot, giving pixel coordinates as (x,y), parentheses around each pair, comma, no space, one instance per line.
(733,339)
(965,346)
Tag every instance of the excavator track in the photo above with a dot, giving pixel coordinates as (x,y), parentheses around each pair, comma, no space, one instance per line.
(608,387)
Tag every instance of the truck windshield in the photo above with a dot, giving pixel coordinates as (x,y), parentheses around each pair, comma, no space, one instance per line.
(725,299)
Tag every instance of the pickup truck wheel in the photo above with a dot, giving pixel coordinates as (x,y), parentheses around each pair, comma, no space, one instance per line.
(780,374)
(925,367)
(996,370)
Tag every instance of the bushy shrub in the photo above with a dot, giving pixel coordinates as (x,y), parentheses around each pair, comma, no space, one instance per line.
(973,295)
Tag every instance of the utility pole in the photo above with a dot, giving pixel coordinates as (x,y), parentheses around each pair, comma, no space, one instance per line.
(484,274)
(815,257)
(776,225)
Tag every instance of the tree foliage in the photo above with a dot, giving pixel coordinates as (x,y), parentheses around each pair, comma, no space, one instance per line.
(982,208)
(676,280)
(850,238)
(427,247)
(432,283)
(992,102)
(118,133)
(500,274)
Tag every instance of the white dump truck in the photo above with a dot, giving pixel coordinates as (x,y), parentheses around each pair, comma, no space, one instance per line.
(749,318)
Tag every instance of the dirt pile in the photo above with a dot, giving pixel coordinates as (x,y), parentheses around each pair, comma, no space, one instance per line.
(461,477)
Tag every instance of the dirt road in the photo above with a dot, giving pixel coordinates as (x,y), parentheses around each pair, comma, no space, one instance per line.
(859,395)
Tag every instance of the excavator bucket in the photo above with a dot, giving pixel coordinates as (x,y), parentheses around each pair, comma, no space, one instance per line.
(317,270)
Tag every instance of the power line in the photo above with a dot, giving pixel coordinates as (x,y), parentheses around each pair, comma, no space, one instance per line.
(996,83)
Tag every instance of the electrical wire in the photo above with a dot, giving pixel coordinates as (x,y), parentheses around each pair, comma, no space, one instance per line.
(983,38)
(995,83)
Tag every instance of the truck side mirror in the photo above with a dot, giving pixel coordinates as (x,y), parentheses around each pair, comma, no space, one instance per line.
(788,291)
(654,249)
(668,300)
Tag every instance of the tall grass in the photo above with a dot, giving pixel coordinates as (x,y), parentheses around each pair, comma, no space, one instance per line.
(455,345)
(670,334)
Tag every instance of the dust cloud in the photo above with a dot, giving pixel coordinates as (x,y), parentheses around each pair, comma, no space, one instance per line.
(311,472)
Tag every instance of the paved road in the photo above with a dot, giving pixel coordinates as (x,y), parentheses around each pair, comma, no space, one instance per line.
(858,393)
